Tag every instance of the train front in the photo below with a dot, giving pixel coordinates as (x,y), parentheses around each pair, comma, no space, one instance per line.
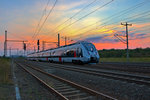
(93,55)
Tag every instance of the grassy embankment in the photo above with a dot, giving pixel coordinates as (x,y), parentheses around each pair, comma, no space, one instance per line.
(5,71)
(6,83)
(136,59)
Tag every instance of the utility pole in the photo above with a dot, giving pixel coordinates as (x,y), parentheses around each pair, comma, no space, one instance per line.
(65,40)
(24,47)
(58,40)
(38,44)
(126,24)
(5,44)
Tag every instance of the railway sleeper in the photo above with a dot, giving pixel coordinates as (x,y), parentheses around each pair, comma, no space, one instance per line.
(59,82)
(63,87)
(71,92)
(66,90)
(86,98)
(60,85)
(77,96)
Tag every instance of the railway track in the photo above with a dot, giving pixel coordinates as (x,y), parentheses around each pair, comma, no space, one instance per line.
(138,79)
(64,89)
(145,69)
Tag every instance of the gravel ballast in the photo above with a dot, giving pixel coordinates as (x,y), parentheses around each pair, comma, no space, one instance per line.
(29,88)
(119,89)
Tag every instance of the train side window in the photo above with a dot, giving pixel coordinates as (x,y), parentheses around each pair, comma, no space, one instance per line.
(64,53)
(53,52)
(70,53)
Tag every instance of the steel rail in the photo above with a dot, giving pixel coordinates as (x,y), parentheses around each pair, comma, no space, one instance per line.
(44,83)
(90,91)
(138,68)
(119,76)
(125,77)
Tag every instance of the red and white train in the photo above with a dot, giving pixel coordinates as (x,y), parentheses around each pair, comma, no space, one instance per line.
(80,52)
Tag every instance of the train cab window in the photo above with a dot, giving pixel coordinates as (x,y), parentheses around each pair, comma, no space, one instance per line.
(89,47)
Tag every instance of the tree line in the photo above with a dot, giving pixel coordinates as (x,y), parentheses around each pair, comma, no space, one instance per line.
(138,52)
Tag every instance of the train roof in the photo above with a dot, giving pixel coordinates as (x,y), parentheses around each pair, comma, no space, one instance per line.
(61,46)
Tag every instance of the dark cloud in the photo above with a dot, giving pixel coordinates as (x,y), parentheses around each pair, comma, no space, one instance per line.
(134,36)
(94,39)
(143,34)
(101,39)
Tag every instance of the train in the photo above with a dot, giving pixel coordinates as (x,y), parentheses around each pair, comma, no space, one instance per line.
(80,52)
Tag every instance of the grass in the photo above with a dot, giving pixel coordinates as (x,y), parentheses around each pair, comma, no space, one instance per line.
(6,84)
(140,59)
(5,71)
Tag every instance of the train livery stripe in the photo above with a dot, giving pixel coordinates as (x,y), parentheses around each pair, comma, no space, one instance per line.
(59,59)
(75,55)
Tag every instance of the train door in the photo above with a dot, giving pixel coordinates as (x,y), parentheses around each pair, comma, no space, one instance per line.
(79,52)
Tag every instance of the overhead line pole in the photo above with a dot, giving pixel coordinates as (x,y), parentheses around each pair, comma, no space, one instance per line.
(65,40)
(38,44)
(58,40)
(5,44)
(126,24)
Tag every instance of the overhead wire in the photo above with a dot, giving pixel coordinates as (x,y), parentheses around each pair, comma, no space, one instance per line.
(74,15)
(85,16)
(81,17)
(46,17)
(104,24)
(145,13)
(44,11)
(112,17)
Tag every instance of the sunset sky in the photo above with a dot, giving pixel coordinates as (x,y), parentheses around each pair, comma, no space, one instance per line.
(96,21)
